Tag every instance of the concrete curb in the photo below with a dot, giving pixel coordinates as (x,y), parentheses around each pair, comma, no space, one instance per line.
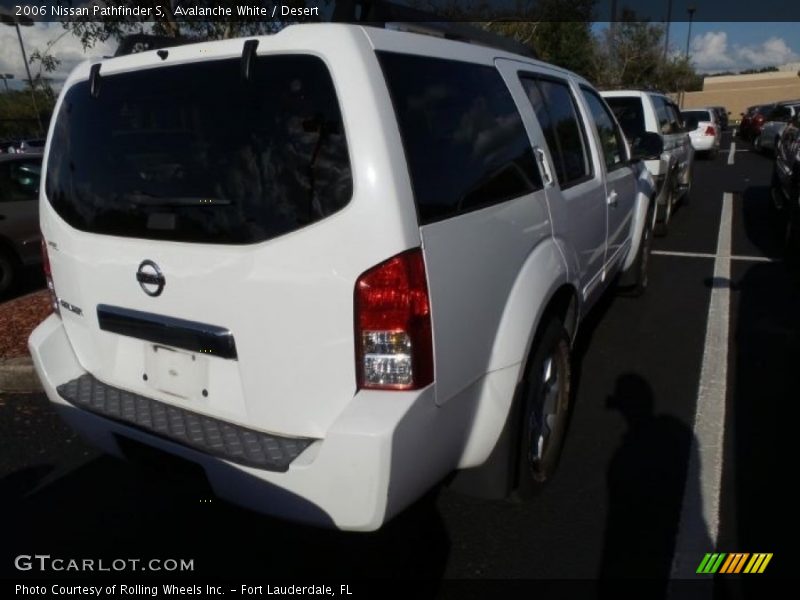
(17,375)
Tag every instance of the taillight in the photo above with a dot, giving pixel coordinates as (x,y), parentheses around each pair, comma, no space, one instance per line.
(759,119)
(49,277)
(710,130)
(394,346)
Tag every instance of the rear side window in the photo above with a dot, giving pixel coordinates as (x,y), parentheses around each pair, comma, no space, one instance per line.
(195,153)
(464,140)
(629,113)
(563,130)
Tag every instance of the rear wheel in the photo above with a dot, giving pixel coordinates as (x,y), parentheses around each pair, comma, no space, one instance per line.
(9,270)
(757,144)
(545,409)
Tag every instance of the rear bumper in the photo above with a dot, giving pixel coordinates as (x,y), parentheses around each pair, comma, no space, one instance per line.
(381,454)
(704,143)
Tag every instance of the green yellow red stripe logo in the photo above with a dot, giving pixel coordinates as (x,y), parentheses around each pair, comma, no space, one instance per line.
(733,563)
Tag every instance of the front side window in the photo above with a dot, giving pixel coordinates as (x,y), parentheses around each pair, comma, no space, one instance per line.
(464,140)
(558,117)
(196,153)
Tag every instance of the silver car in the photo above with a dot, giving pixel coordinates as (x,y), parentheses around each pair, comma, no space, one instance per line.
(644,111)
(776,122)
(19,216)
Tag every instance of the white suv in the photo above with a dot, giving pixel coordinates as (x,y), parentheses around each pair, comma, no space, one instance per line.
(333,265)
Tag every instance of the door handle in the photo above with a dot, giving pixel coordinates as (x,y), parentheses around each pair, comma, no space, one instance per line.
(612,199)
(546,173)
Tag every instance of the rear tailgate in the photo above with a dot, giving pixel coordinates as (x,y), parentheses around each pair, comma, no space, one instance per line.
(242,196)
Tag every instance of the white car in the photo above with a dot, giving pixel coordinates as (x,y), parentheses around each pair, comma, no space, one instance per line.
(704,129)
(353,263)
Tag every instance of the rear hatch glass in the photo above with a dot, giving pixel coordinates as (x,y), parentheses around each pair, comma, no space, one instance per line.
(196,153)
(693,118)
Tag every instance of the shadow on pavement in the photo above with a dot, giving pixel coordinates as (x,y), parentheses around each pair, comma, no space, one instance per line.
(646,484)
(757,508)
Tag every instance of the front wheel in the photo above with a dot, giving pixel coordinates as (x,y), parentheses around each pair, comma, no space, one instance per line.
(663,214)
(545,409)
(778,200)
(634,282)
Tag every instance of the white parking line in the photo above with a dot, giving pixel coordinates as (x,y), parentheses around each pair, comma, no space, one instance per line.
(765,259)
(732,153)
(699,524)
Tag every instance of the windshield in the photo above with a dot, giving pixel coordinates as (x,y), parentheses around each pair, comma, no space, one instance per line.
(196,153)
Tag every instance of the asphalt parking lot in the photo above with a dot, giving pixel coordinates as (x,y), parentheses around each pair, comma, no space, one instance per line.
(640,484)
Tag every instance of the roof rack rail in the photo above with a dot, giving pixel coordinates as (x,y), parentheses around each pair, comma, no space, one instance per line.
(389,15)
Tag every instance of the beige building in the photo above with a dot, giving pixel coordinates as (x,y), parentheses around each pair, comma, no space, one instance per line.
(737,92)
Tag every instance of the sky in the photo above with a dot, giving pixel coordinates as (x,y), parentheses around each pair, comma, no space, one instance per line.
(737,46)
(66,48)
(714,47)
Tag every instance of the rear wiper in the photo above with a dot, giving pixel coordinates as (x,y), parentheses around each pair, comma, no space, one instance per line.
(142,199)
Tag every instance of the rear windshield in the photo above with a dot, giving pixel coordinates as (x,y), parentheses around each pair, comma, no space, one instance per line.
(692,117)
(196,153)
(629,113)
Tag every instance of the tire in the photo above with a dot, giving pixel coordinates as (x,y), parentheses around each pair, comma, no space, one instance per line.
(545,398)
(9,271)
(634,283)
(663,214)
(791,211)
(777,198)
(757,144)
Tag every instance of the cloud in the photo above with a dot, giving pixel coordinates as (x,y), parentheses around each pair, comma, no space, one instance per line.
(711,52)
(773,52)
(67,49)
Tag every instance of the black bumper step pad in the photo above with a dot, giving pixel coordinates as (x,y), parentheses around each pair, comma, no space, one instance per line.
(225,440)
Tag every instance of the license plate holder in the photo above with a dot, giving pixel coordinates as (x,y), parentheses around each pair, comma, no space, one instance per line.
(181,374)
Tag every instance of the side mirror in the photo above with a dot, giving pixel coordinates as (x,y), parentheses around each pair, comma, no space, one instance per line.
(648,146)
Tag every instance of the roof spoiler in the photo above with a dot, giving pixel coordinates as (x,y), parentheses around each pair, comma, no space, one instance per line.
(389,15)
(142,42)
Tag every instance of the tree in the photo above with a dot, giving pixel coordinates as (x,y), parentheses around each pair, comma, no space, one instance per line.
(559,31)
(631,55)
(17,117)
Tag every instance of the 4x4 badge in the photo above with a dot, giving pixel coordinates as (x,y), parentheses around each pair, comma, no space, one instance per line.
(150,278)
